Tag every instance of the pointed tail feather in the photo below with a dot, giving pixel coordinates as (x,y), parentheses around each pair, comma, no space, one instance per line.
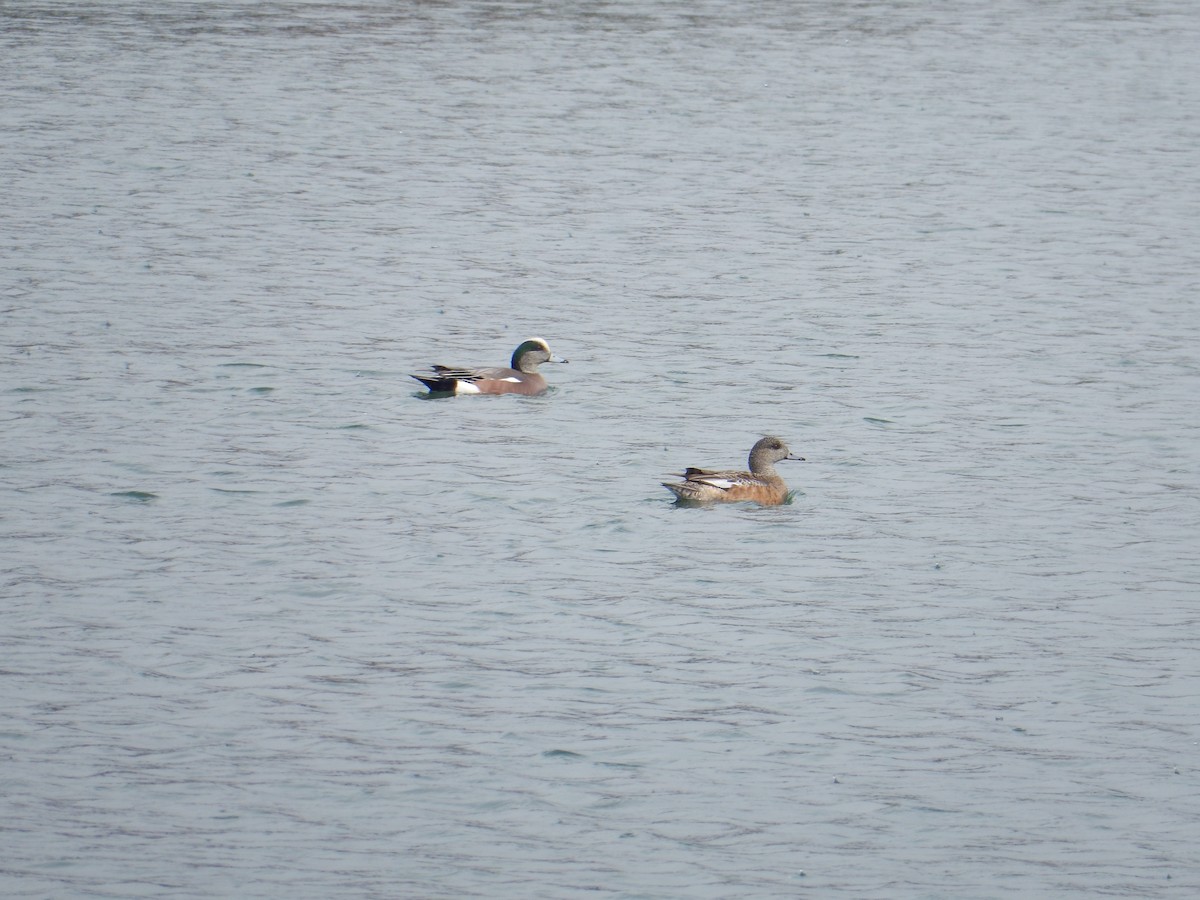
(437,382)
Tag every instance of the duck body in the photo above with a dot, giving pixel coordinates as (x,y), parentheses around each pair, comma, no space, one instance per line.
(761,485)
(521,377)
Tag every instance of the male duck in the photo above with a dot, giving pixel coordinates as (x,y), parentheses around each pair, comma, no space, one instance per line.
(522,378)
(761,484)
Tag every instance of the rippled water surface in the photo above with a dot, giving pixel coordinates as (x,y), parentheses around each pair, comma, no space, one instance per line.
(273,625)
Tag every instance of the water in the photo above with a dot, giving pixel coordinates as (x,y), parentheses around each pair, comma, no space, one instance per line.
(275,626)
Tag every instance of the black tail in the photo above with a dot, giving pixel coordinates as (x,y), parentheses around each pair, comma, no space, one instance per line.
(437,384)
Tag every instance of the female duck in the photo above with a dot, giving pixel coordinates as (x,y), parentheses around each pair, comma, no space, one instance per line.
(761,484)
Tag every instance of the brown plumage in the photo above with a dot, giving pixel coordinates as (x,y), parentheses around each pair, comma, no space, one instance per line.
(762,484)
(522,378)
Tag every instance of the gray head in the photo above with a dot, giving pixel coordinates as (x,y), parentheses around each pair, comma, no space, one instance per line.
(766,453)
(531,354)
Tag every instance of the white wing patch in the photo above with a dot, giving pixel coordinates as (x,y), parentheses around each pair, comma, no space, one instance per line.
(511,380)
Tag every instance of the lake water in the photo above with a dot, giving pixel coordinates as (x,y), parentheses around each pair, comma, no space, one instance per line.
(273,625)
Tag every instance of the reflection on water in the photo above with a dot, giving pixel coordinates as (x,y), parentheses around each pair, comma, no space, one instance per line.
(272,625)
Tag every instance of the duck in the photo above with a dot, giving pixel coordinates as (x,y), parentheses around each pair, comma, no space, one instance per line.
(761,485)
(521,377)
